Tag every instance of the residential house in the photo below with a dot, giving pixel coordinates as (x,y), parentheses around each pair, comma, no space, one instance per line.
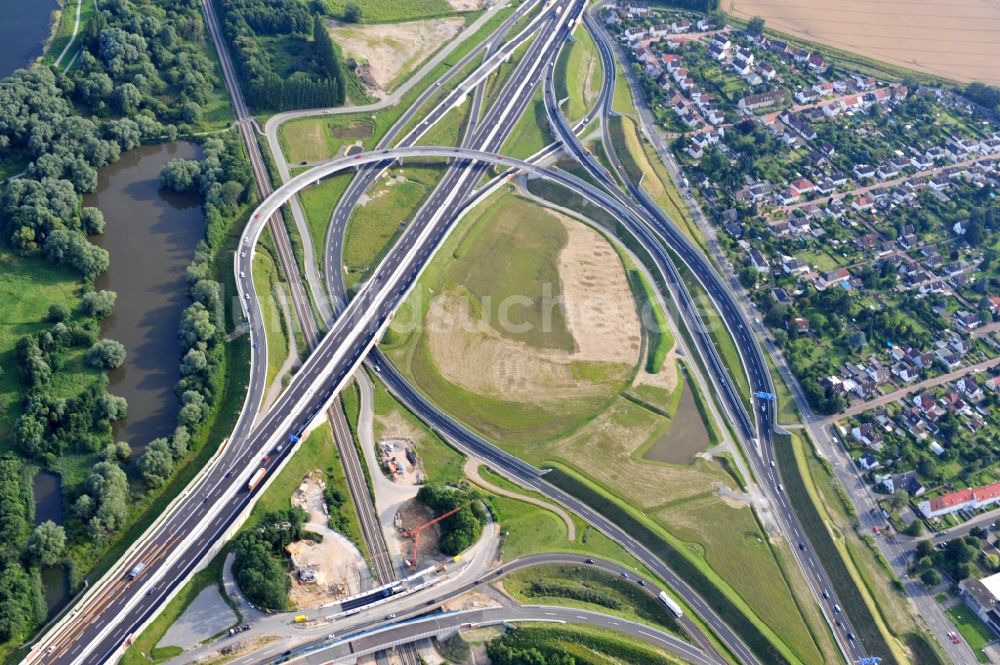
(981,597)
(758,261)
(868,435)
(967,321)
(863,171)
(974,498)
(868,462)
(759,101)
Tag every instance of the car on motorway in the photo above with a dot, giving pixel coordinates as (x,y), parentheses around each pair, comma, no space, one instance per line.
(802,546)
(836,608)
(267,458)
(642,582)
(389,616)
(589,561)
(826,594)
(624,574)
(850,636)
(955,639)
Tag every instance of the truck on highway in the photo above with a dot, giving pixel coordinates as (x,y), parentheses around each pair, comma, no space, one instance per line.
(137,570)
(257,477)
(671,604)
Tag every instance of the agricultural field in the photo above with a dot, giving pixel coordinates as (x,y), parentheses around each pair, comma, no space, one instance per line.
(388,52)
(520,362)
(956,40)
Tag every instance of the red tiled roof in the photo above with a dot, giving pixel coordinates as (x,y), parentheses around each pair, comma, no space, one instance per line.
(952,499)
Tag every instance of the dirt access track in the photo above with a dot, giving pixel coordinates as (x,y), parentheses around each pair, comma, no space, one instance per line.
(391,49)
(958,39)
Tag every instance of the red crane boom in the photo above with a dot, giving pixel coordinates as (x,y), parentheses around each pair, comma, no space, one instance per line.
(415,533)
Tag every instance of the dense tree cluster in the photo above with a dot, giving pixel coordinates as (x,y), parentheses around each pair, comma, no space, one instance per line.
(104,504)
(21,604)
(146,63)
(984,95)
(956,559)
(321,83)
(258,564)
(48,426)
(15,506)
(462,529)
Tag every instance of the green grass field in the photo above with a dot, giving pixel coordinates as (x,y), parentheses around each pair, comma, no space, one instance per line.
(394,11)
(531,133)
(28,286)
(583,76)
(265,278)
(318,202)
(317,138)
(565,584)
(392,202)
(63,33)
(972,629)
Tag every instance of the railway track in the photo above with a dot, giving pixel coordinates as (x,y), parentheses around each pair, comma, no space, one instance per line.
(371,529)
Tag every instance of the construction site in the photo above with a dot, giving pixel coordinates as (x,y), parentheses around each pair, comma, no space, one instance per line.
(325,571)
(399,461)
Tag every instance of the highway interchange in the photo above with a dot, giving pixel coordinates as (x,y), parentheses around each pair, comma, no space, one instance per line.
(113,610)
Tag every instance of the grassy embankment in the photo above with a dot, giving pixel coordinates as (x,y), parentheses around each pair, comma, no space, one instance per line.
(317,452)
(590,440)
(860,576)
(588,588)
(579,75)
(266,283)
(63,31)
(592,646)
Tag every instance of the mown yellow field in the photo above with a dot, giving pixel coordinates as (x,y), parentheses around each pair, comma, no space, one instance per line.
(958,39)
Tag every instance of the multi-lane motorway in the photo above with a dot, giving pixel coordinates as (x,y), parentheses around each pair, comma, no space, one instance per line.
(757,440)
(102,621)
(105,618)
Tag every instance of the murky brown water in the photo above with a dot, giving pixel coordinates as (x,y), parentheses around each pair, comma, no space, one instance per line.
(687,434)
(150,235)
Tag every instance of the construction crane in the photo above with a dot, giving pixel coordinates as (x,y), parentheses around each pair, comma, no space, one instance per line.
(415,533)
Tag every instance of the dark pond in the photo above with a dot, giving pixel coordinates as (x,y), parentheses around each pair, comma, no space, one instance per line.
(150,235)
(23,29)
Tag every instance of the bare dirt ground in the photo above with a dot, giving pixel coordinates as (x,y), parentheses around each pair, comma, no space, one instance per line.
(333,562)
(393,450)
(598,307)
(412,515)
(390,49)
(465,5)
(666,378)
(958,39)
(600,314)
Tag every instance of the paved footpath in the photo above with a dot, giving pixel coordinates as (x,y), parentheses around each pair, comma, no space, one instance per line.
(472,472)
